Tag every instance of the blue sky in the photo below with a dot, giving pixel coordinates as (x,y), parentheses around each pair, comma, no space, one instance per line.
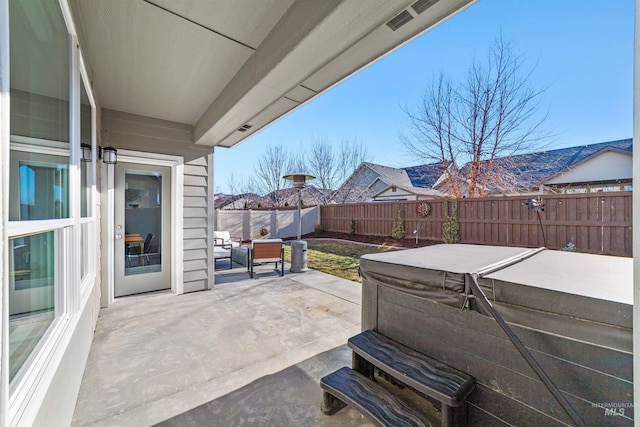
(582,51)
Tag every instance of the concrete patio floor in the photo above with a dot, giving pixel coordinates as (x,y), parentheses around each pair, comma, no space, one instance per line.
(250,352)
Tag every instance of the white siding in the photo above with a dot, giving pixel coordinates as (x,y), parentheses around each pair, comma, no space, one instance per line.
(197,272)
(608,166)
(139,133)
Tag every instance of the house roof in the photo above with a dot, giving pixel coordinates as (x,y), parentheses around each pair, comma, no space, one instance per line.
(526,171)
(392,176)
(228,201)
(310,195)
(425,176)
(230,68)
(420,176)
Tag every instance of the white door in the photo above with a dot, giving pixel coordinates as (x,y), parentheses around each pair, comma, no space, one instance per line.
(142,228)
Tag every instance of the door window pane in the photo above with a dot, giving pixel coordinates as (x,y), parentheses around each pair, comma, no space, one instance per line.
(31,296)
(143,222)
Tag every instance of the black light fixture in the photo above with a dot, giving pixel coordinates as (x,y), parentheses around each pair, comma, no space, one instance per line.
(87,155)
(109,155)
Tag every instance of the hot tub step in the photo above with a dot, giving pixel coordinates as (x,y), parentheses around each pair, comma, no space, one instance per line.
(346,386)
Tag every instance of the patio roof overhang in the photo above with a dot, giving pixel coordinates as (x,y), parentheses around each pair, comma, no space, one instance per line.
(230,68)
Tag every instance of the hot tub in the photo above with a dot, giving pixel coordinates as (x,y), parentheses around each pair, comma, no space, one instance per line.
(572,311)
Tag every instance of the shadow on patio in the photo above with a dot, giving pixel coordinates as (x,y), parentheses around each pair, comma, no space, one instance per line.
(250,352)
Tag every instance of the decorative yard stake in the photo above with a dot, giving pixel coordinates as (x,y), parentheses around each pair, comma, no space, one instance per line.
(537,206)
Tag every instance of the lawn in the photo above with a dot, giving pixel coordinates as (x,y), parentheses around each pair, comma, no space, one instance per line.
(337,258)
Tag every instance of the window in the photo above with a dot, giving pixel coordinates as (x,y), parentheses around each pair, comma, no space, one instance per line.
(32,295)
(42,188)
(39,61)
(51,222)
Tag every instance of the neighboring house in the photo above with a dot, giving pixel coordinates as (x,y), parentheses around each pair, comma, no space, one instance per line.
(372,182)
(240,201)
(605,166)
(422,178)
(608,169)
(221,200)
(398,193)
(353,190)
(309,195)
(110,112)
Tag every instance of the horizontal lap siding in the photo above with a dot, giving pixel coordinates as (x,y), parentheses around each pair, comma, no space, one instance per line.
(140,133)
(195,211)
(598,223)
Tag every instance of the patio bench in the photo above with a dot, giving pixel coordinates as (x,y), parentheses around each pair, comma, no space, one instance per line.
(428,376)
(266,251)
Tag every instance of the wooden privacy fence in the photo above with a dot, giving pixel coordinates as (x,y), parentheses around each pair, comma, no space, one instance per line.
(598,223)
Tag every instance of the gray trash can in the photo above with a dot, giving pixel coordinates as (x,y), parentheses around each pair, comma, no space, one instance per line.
(298,256)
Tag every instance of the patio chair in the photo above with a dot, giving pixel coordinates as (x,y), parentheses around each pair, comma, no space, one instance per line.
(151,249)
(222,238)
(222,252)
(266,251)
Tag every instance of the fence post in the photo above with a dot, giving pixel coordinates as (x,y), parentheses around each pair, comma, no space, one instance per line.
(247,220)
(273,223)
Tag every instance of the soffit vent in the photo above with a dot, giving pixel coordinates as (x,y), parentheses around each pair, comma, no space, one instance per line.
(400,20)
(422,5)
(244,128)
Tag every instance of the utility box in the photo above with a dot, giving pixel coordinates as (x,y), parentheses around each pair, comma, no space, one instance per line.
(298,256)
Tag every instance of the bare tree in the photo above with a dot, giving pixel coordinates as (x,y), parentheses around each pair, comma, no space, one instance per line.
(240,188)
(270,169)
(491,114)
(298,162)
(321,163)
(332,165)
(233,184)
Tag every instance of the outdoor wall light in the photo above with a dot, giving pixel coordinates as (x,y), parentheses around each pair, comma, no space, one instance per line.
(109,155)
(86,153)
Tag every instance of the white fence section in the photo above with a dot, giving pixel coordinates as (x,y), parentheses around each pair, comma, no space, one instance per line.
(246,224)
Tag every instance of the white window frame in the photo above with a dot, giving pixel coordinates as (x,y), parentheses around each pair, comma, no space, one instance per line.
(20,400)
(90,219)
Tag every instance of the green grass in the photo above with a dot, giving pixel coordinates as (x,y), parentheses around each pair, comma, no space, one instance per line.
(337,258)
